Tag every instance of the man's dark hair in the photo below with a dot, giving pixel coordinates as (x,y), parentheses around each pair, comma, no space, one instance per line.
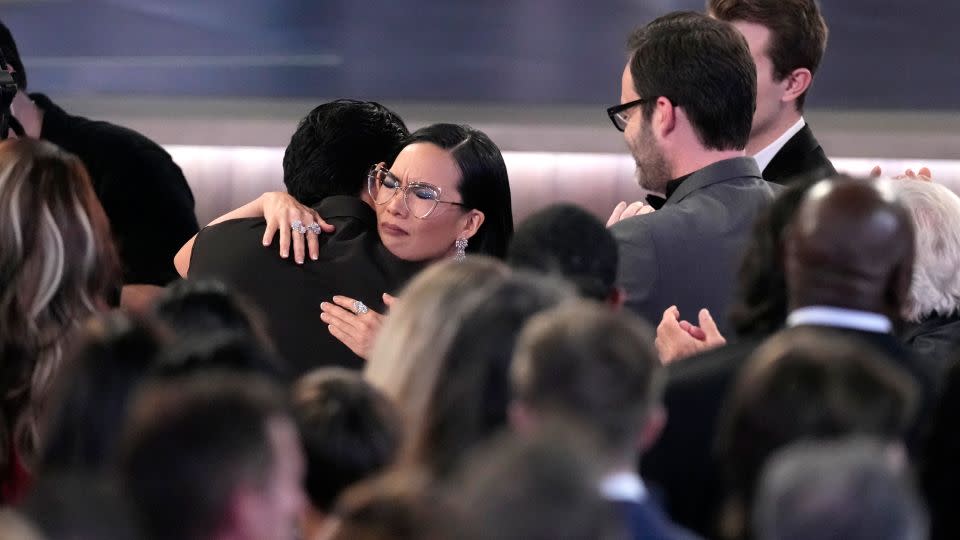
(8,48)
(219,351)
(703,66)
(568,241)
(584,362)
(201,307)
(335,145)
(798,31)
(807,383)
(349,430)
(83,433)
(189,445)
(484,183)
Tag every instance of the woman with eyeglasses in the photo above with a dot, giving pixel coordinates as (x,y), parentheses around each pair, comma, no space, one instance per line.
(447,194)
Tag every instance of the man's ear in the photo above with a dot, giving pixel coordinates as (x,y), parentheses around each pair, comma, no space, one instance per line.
(652,428)
(664,117)
(798,82)
(471,224)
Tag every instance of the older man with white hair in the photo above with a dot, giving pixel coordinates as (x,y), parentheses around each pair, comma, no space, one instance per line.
(932,310)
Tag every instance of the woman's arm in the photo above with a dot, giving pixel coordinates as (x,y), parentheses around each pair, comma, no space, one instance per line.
(280,210)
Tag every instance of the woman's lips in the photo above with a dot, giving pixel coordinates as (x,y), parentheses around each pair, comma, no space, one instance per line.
(393,230)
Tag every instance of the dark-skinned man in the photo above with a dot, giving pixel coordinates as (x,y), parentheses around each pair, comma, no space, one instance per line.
(847,256)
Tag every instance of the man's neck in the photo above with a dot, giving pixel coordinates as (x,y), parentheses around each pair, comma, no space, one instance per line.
(692,162)
(765,137)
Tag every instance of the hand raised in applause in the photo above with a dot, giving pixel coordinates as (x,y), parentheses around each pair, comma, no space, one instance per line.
(678,339)
(923,174)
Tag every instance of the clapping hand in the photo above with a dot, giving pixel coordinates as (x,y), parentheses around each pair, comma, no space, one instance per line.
(678,339)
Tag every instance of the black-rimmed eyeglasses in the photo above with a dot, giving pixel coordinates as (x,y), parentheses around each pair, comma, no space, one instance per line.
(617,113)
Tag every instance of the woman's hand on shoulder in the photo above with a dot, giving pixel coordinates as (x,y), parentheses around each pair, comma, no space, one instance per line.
(298,225)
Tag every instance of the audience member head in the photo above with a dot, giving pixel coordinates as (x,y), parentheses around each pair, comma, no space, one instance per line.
(537,488)
(199,307)
(116,354)
(218,351)
(400,505)
(849,489)
(567,241)
(8,48)
(349,430)
(806,383)
(584,363)
(57,267)
(79,506)
(935,213)
(334,146)
(787,40)
(760,308)
(851,246)
(451,380)
(688,92)
(448,184)
(213,457)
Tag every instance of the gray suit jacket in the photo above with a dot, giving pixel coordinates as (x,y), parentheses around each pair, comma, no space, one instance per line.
(688,253)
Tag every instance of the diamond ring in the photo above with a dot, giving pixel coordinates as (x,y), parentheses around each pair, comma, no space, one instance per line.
(359,307)
(314,228)
(297,226)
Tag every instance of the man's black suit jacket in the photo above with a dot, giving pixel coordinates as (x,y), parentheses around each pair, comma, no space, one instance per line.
(801,158)
(353,262)
(682,466)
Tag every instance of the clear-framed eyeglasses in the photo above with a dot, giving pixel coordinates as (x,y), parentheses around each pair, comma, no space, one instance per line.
(419,198)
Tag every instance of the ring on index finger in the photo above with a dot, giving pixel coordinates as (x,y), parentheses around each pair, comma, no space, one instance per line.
(314,228)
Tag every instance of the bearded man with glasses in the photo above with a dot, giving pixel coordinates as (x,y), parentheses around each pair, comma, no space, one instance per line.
(687,101)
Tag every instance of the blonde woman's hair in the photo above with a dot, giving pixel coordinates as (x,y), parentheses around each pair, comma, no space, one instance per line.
(935,212)
(408,353)
(57,264)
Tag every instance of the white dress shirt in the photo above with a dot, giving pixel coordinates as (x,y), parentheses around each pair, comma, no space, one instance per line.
(765,156)
(835,317)
(625,486)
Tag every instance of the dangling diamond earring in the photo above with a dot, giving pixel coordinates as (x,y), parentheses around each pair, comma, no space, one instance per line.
(461,250)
